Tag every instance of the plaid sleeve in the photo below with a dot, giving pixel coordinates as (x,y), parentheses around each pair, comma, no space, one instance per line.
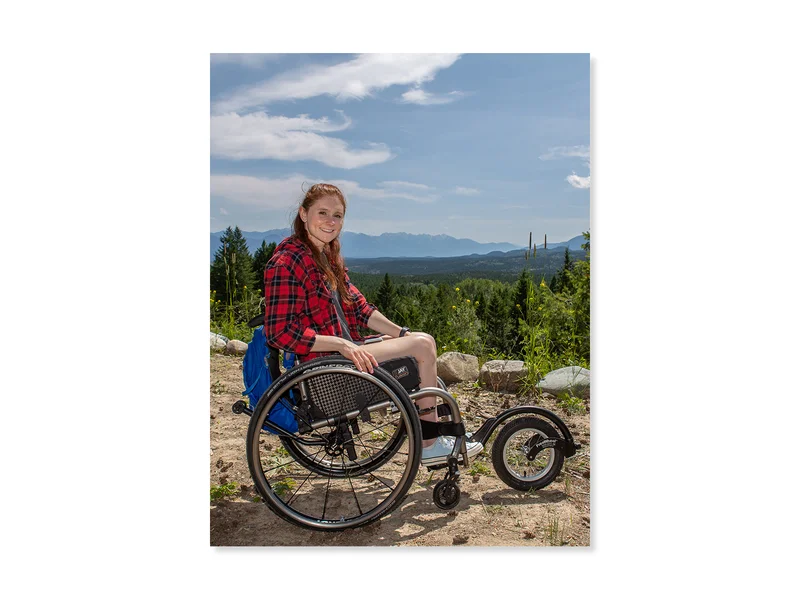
(363,308)
(285,302)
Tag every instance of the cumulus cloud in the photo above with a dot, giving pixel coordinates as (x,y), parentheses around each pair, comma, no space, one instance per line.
(419,96)
(560,152)
(259,135)
(582,183)
(287,192)
(252,61)
(351,80)
(464,191)
(258,191)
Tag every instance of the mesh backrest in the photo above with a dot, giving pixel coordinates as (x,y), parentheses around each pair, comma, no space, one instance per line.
(334,394)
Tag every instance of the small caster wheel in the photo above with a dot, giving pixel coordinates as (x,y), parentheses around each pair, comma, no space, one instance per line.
(446,494)
(238,407)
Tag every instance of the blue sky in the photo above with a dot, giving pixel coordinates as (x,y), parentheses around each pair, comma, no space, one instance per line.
(481,146)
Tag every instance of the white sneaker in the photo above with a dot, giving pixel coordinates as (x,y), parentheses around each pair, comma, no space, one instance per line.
(437,453)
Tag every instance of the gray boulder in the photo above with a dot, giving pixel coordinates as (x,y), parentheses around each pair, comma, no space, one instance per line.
(235,347)
(503,375)
(218,341)
(454,367)
(572,380)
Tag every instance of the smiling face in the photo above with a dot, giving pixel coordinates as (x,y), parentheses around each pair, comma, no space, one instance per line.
(323,220)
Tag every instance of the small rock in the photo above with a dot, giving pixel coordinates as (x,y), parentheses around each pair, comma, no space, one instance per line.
(572,380)
(454,367)
(502,375)
(235,347)
(476,478)
(460,539)
(452,513)
(586,473)
(223,480)
(528,535)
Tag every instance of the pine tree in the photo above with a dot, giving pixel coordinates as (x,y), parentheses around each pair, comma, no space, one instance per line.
(232,268)
(386,298)
(520,309)
(480,306)
(260,259)
(496,323)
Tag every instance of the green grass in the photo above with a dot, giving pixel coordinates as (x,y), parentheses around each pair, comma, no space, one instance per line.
(572,404)
(221,491)
(479,468)
(284,486)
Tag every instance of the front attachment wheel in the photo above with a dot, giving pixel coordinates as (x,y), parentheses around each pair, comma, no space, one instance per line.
(516,460)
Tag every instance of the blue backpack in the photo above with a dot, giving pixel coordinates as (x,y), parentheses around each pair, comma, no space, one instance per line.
(257,380)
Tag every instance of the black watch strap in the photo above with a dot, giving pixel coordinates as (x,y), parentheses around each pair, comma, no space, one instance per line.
(403,331)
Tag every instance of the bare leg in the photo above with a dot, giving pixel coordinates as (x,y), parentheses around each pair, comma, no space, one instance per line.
(423,348)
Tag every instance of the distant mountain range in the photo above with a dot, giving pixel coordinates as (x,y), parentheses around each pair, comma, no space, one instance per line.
(386,245)
(491,265)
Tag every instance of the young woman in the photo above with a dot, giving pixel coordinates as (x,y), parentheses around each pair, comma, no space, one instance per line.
(313,309)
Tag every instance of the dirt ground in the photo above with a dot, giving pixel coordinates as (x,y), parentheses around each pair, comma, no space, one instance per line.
(489,514)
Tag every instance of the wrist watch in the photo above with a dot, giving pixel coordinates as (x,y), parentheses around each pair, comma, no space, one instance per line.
(403,331)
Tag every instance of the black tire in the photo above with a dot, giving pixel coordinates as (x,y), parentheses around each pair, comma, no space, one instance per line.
(314,484)
(509,454)
(446,494)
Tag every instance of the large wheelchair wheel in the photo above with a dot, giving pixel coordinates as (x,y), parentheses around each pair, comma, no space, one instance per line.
(513,460)
(359,458)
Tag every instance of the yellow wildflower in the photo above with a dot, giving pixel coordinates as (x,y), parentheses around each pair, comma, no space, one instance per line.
(245,287)
(458,289)
(467,300)
(454,308)
(518,306)
(542,284)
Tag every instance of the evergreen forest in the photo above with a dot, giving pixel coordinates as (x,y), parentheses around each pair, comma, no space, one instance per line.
(541,320)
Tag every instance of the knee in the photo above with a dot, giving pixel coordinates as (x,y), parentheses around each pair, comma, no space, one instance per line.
(425,347)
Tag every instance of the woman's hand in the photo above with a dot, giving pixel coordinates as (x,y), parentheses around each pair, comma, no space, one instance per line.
(363,360)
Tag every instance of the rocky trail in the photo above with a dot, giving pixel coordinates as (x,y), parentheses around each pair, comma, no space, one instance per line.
(489,514)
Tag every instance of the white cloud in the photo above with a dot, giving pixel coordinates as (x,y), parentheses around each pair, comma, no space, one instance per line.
(287,192)
(398,190)
(256,191)
(566,152)
(353,79)
(259,135)
(419,96)
(558,152)
(416,186)
(222,211)
(463,191)
(252,61)
(582,183)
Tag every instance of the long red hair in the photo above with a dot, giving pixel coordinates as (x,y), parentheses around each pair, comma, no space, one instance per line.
(333,267)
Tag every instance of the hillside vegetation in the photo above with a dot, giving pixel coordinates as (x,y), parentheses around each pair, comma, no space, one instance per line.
(539,312)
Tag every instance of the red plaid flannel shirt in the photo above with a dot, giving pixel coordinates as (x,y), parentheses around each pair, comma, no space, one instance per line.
(299,305)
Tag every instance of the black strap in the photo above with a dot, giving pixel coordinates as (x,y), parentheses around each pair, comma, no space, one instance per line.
(337,303)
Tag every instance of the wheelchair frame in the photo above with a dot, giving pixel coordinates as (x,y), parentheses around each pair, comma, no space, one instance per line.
(336,434)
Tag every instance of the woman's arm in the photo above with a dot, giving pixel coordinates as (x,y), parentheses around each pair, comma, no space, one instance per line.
(378,322)
(363,360)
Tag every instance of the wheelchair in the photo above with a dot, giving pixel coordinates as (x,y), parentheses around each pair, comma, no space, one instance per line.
(357,447)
